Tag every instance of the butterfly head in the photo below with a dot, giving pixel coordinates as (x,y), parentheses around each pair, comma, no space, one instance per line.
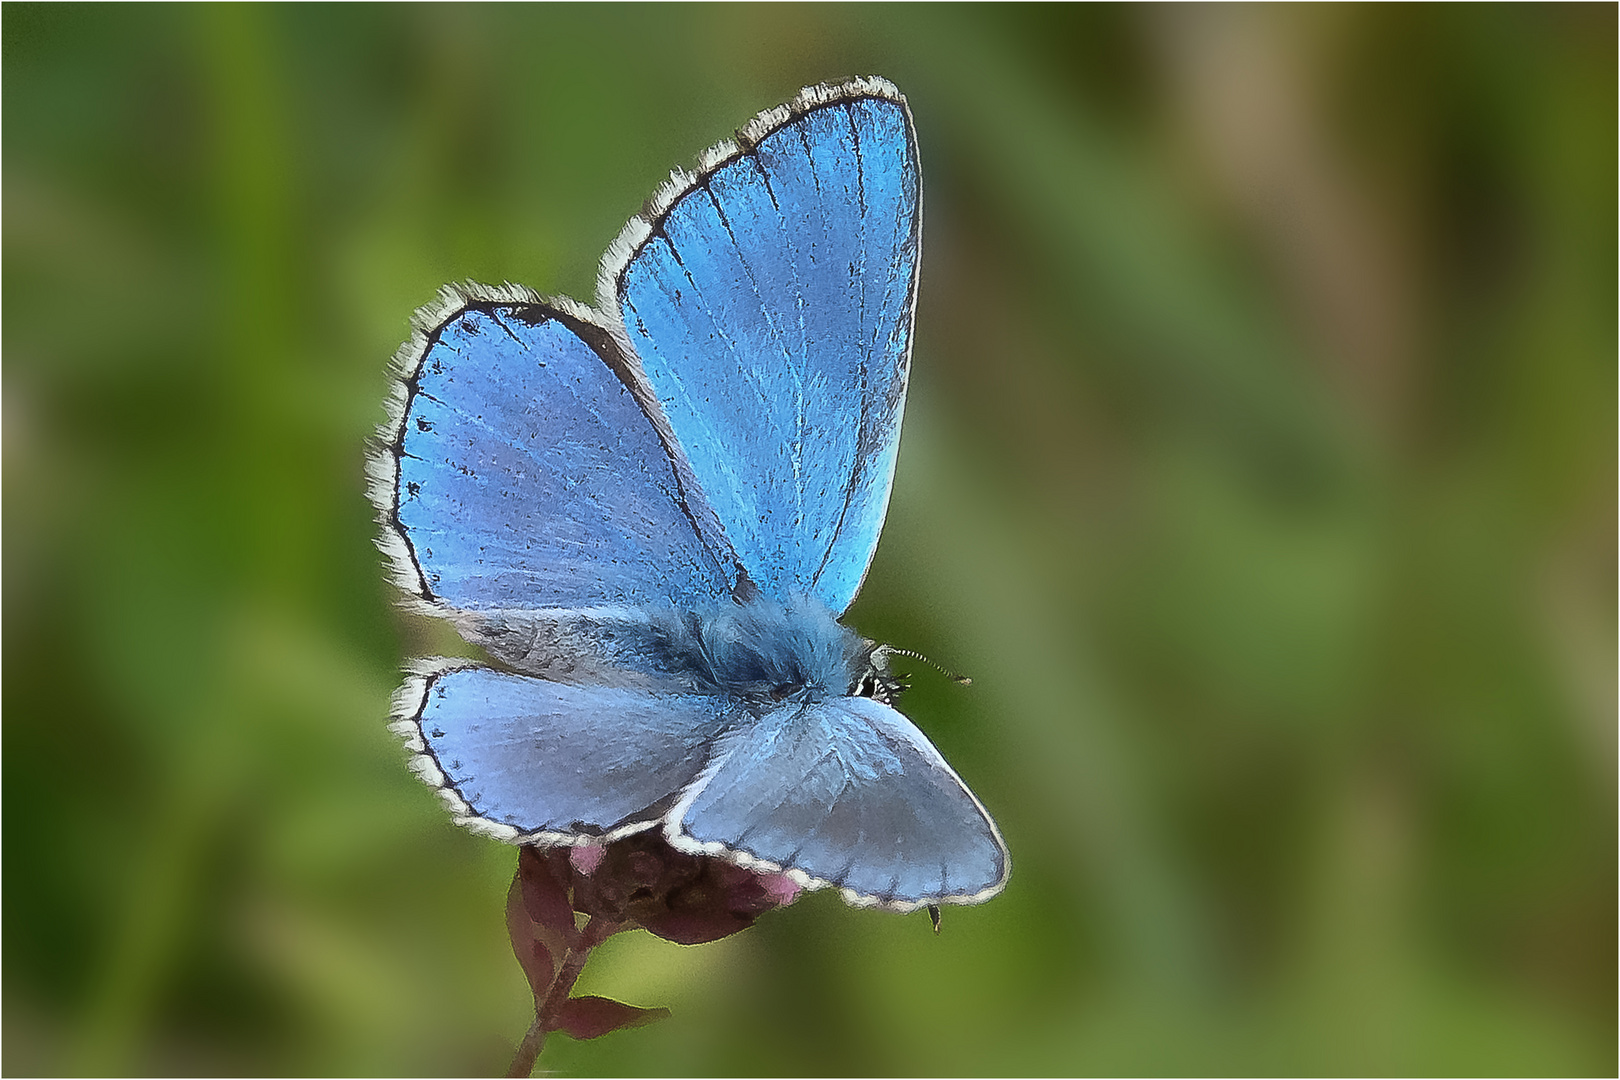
(874,678)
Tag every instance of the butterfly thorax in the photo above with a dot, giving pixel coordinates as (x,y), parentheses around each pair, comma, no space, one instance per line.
(761,649)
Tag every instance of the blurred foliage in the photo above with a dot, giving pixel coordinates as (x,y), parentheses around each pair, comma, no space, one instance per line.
(1260,466)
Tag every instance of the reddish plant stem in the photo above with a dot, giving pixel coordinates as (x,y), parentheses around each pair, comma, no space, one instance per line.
(528,1051)
(596,931)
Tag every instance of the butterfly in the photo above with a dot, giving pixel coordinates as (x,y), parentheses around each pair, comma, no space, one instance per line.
(651,513)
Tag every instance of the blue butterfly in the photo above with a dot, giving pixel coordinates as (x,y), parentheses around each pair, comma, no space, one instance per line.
(652,513)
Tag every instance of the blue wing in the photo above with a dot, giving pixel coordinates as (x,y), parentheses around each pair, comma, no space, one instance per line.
(847,793)
(770,300)
(529,760)
(519,469)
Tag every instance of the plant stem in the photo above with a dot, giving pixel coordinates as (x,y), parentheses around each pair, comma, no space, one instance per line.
(528,1051)
(596,931)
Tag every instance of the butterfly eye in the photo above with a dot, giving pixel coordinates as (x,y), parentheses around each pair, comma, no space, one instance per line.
(867,686)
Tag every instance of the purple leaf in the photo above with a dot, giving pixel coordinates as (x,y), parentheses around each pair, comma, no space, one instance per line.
(533,955)
(545,877)
(587,1017)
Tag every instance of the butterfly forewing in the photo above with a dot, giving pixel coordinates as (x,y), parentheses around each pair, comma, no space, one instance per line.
(771,305)
(529,477)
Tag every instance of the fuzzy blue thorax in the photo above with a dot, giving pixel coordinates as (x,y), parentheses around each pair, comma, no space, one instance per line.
(763,647)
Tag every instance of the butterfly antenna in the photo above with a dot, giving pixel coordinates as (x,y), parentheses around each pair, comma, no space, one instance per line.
(960,680)
(933,914)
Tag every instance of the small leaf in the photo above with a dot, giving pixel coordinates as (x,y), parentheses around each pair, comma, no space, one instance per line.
(544,880)
(532,953)
(590,1016)
(695,926)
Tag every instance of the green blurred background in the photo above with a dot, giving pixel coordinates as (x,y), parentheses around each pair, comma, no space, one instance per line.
(1260,467)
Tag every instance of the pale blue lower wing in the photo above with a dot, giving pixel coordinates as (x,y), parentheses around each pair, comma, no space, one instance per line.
(521,472)
(525,758)
(770,299)
(845,793)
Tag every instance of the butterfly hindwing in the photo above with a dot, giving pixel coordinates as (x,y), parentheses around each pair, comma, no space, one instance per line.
(844,792)
(520,471)
(527,758)
(770,300)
